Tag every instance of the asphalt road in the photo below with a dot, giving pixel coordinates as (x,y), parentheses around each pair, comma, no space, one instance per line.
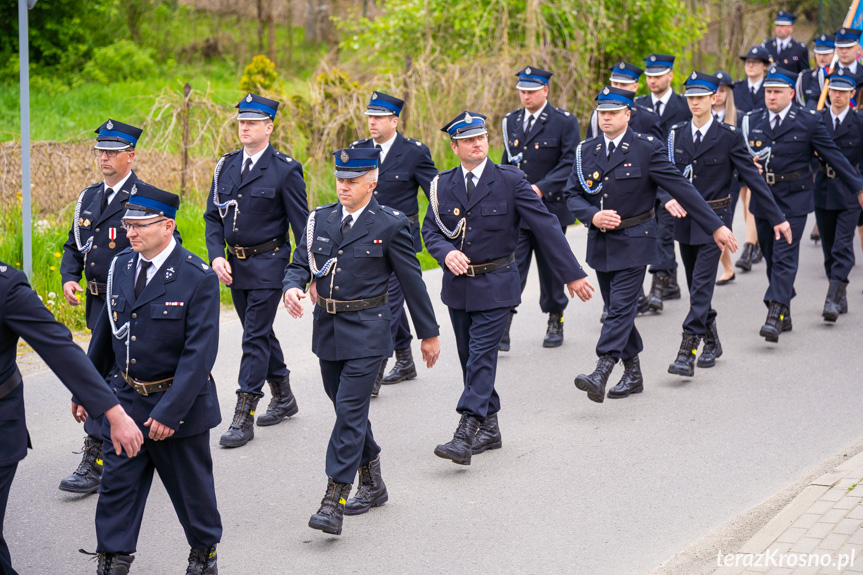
(578,487)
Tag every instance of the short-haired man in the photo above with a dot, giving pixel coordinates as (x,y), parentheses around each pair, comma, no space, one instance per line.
(810,83)
(642,119)
(786,137)
(540,140)
(785,50)
(405,166)
(352,248)
(156,343)
(257,195)
(471,228)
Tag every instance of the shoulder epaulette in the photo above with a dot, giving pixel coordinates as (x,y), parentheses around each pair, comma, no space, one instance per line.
(413,141)
(679,125)
(228,154)
(448,171)
(198,263)
(644,136)
(561,111)
(394,213)
(321,207)
(755,111)
(728,127)
(281,156)
(363,141)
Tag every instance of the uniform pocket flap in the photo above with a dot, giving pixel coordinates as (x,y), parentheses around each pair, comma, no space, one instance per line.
(630,172)
(493,208)
(373,251)
(167,311)
(396,176)
(264,193)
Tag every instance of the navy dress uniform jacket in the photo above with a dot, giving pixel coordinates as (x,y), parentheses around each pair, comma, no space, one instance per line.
(809,86)
(630,178)
(98,225)
(676,110)
(173,332)
(378,244)
(548,153)
(800,134)
(271,199)
(641,120)
(832,193)
(722,151)
(408,167)
(23,315)
(743,99)
(501,200)
(794,58)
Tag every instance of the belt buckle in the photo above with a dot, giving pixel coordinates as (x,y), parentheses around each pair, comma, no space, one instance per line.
(831,173)
(771,178)
(331,309)
(140,387)
(240,252)
(470,272)
(94,289)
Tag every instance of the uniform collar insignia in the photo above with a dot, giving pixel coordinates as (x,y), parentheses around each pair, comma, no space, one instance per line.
(3,269)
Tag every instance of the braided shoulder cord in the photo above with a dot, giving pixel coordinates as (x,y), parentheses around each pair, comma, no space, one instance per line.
(123,330)
(462,223)
(223,207)
(581,179)
(310,234)
(515,160)
(687,171)
(764,153)
(85,248)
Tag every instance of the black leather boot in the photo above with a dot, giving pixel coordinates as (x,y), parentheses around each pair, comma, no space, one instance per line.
(504,341)
(744,262)
(460,448)
(712,349)
(112,563)
(203,561)
(330,516)
(380,377)
(643,303)
(631,382)
(657,288)
(594,384)
(88,476)
(404,369)
(757,256)
(283,404)
(775,322)
(242,429)
(605,311)
(831,303)
(671,289)
(685,363)
(843,297)
(488,436)
(554,332)
(371,492)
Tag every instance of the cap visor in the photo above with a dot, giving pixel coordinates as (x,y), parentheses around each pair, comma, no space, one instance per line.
(656,71)
(379,112)
(623,79)
(783,23)
(698,91)
(479,131)
(846,43)
(351,174)
(249,115)
(611,106)
(825,50)
(112,145)
(776,84)
(529,86)
(139,213)
(841,86)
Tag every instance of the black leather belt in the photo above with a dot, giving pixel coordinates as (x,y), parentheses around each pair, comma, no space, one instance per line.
(830,172)
(634,221)
(145,388)
(337,306)
(719,204)
(414,219)
(96,288)
(243,253)
(473,271)
(10,384)
(773,178)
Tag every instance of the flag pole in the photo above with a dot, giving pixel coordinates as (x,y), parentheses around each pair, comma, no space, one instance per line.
(849,19)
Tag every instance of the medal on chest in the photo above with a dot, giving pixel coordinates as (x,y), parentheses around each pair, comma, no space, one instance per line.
(112,236)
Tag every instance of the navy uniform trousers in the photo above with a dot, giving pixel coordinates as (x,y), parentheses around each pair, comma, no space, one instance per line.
(479,305)
(7,474)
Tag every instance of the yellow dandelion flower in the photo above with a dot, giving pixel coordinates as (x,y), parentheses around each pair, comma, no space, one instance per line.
(58,255)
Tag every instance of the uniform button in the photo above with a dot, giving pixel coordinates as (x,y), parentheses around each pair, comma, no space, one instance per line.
(773,142)
(338,270)
(368,252)
(188,257)
(606,178)
(376,193)
(92,264)
(133,338)
(468,213)
(524,161)
(468,243)
(165,312)
(646,233)
(397,179)
(379,315)
(341,252)
(239,195)
(95,246)
(134,361)
(336,288)
(134,316)
(470,229)
(97,230)
(605,196)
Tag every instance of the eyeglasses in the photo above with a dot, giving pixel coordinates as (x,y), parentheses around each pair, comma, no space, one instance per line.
(110,153)
(138,227)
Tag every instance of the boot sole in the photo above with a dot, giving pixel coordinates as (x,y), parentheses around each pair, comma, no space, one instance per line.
(655,307)
(444,455)
(585,386)
(769,335)
(503,347)
(638,389)
(707,364)
(261,422)
(831,317)
(80,491)
(743,267)
(670,297)
(376,503)
(495,445)
(401,379)
(237,444)
(679,371)
(555,344)
(325,528)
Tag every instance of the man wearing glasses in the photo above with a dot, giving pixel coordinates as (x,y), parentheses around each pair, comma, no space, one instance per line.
(95,238)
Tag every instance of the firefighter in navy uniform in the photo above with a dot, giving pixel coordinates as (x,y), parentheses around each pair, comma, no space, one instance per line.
(352,248)
(836,207)
(787,52)
(23,315)
(708,153)
(471,228)
(405,166)
(156,343)
(613,190)
(540,140)
(810,83)
(671,109)
(642,119)
(257,195)
(784,137)
(95,238)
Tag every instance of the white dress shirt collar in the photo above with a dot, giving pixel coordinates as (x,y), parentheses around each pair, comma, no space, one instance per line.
(703,129)
(781,114)
(254,157)
(385,147)
(116,187)
(616,141)
(841,115)
(156,261)
(477,171)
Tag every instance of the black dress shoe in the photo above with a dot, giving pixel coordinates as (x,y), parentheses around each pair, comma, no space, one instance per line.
(722,282)
(631,382)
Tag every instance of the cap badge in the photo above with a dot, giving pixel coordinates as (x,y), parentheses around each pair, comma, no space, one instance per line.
(653,58)
(606,91)
(719,75)
(622,66)
(249,97)
(467,118)
(527,70)
(694,76)
(110,125)
(374,95)
(755,50)
(842,30)
(344,156)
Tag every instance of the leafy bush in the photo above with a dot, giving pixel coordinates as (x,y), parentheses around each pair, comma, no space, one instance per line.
(121,60)
(259,75)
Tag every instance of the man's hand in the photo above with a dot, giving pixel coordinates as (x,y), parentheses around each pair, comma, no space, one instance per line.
(535,189)
(783,229)
(79,413)
(124,432)
(313,292)
(725,239)
(223,270)
(606,219)
(292,302)
(69,289)
(457,262)
(674,208)
(158,431)
(580,288)
(758,165)
(430,348)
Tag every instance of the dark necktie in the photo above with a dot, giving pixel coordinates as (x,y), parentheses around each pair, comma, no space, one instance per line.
(469,185)
(697,141)
(346,225)
(610,149)
(105,196)
(836,127)
(247,167)
(378,146)
(776,121)
(658,107)
(141,282)
(529,126)
(752,90)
